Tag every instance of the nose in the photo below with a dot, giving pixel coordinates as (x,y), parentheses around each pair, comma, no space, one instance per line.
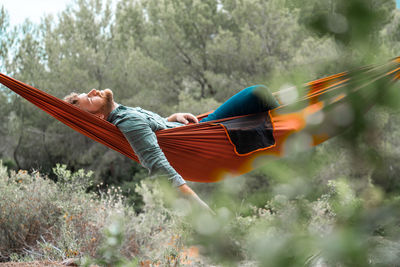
(92,92)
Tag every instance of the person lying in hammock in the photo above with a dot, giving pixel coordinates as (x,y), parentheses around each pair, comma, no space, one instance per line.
(139,125)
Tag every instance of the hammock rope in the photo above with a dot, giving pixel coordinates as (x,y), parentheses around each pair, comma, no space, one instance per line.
(203,152)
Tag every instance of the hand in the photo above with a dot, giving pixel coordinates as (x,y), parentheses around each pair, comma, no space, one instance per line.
(191,195)
(184,118)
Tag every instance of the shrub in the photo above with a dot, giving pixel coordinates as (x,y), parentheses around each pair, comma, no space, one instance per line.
(28,210)
(347,224)
(43,220)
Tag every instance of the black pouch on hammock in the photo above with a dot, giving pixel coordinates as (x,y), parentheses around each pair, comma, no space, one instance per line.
(250,133)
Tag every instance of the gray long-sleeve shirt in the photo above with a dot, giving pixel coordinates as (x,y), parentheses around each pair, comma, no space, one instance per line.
(138,126)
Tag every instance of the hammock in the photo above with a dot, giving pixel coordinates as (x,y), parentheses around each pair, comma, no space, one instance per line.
(205,153)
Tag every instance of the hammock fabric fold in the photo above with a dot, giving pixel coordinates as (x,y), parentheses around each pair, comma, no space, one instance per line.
(204,152)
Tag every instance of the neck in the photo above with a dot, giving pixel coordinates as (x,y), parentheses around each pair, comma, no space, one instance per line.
(114,106)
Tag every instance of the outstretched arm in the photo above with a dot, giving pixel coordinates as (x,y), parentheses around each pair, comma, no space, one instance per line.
(144,142)
(187,192)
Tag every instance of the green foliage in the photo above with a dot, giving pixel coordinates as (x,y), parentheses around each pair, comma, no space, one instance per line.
(28,209)
(348,223)
(43,220)
(72,182)
(110,252)
(296,228)
(174,55)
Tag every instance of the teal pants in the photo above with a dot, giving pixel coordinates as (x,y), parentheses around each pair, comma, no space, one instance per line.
(254,99)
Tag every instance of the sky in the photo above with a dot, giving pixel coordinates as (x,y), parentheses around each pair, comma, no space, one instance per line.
(19,10)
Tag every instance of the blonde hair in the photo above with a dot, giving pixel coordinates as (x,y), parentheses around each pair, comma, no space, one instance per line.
(72,98)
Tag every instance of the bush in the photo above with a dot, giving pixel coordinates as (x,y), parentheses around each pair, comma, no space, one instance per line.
(28,210)
(347,224)
(43,220)
(40,219)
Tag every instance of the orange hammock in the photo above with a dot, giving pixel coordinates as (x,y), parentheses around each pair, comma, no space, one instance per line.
(204,153)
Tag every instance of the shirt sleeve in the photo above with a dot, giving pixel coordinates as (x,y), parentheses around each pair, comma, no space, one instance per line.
(144,143)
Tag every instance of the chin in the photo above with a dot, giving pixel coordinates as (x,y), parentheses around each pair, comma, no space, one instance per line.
(108,94)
